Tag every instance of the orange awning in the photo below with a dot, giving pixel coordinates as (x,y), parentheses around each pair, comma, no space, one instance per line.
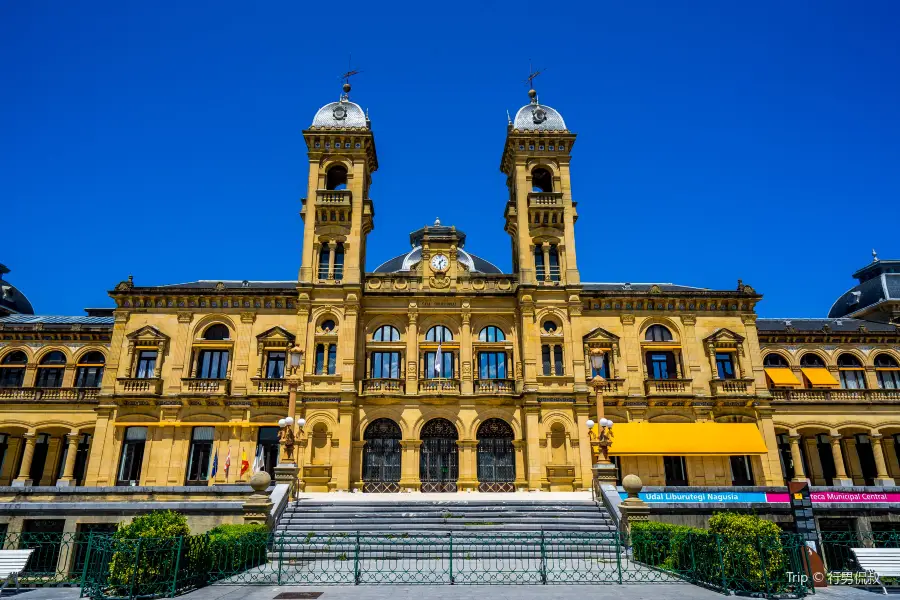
(820,377)
(686,439)
(782,376)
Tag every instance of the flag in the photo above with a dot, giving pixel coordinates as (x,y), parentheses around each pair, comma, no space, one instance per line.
(245,464)
(227,462)
(215,468)
(438,359)
(259,461)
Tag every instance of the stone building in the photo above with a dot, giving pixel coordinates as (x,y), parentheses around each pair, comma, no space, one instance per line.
(436,371)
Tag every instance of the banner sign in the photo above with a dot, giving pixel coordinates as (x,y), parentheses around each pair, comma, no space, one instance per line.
(701,497)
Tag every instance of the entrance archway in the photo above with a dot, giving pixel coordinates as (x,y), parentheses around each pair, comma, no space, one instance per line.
(496,457)
(439,456)
(381,457)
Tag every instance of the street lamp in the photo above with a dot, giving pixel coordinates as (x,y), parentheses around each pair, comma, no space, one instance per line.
(598,382)
(286,436)
(602,440)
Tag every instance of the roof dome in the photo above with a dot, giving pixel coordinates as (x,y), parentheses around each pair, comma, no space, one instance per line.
(12,301)
(408,261)
(342,114)
(538,117)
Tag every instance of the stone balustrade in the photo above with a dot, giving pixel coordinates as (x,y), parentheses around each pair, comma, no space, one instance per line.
(138,386)
(382,386)
(439,386)
(837,396)
(219,387)
(667,387)
(495,386)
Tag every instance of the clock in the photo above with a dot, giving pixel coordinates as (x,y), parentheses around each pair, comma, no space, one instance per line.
(439,263)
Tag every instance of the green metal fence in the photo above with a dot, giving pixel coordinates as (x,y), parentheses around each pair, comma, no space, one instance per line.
(836,547)
(149,568)
(58,558)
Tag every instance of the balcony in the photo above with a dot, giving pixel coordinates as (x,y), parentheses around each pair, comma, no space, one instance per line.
(545,200)
(439,387)
(217,387)
(36,394)
(382,386)
(667,387)
(611,387)
(837,396)
(333,198)
(731,387)
(495,386)
(269,386)
(138,387)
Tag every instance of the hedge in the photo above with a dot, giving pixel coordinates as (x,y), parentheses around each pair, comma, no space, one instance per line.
(738,551)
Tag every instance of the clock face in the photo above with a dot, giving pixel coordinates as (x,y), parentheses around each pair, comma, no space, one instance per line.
(439,262)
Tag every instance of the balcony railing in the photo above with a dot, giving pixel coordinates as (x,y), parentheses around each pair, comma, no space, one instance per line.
(545,199)
(269,386)
(837,396)
(731,387)
(611,386)
(495,386)
(29,394)
(139,386)
(206,386)
(439,386)
(382,386)
(333,197)
(667,387)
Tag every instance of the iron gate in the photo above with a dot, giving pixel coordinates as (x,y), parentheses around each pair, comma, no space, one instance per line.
(439,456)
(496,457)
(381,457)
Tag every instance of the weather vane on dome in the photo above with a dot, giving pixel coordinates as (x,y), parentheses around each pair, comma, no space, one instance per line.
(346,77)
(532,73)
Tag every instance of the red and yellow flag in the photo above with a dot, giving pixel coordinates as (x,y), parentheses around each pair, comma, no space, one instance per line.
(245,464)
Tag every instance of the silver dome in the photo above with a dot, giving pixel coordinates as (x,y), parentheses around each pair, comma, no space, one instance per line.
(341,115)
(538,117)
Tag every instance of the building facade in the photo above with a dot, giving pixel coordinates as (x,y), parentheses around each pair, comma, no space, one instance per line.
(436,371)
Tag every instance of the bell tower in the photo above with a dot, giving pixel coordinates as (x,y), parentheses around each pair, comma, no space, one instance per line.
(540,214)
(337,211)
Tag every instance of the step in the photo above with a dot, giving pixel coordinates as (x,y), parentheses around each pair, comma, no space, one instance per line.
(436,529)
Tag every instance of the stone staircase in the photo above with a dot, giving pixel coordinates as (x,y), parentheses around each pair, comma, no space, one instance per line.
(488,528)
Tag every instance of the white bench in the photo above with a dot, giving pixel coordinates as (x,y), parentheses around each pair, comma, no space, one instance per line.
(12,563)
(884,562)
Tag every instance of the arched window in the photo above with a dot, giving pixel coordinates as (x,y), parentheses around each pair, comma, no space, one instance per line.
(381,456)
(327,325)
(51,369)
(541,180)
(12,369)
(658,333)
(496,456)
(89,370)
(775,361)
(386,333)
(853,377)
(321,448)
(813,361)
(439,333)
(216,332)
(491,333)
(558,444)
(336,178)
(888,372)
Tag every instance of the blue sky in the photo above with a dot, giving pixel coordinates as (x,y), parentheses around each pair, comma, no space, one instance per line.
(716,140)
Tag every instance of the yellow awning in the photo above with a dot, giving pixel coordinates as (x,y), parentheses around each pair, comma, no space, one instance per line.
(820,376)
(686,439)
(782,376)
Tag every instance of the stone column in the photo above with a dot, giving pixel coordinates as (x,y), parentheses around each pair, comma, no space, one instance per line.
(412,351)
(840,478)
(771,463)
(521,479)
(468,472)
(28,455)
(545,276)
(258,506)
(797,458)
(465,353)
(633,509)
(532,437)
(68,478)
(882,477)
(332,248)
(409,465)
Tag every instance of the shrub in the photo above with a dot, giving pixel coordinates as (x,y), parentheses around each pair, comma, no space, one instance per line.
(751,549)
(227,550)
(145,552)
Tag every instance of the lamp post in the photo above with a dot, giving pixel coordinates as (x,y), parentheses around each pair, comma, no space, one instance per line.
(288,470)
(294,379)
(598,382)
(604,470)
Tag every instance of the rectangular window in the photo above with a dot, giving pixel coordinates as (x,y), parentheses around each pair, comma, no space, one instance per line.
(4,446)
(323,261)
(268,441)
(446,366)
(320,359)
(88,377)
(275,365)
(212,364)
(50,377)
(132,456)
(84,445)
(554,263)
(888,380)
(539,264)
(332,359)
(39,458)
(339,262)
(385,365)
(661,365)
(787,459)
(146,364)
(492,365)
(199,455)
(558,365)
(741,470)
(12,377)
(676,470)
(724,365)
(853,379)
(545,359)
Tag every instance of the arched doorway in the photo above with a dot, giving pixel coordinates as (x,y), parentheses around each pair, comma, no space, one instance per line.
(381,457)
(439,456)
(496,457)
